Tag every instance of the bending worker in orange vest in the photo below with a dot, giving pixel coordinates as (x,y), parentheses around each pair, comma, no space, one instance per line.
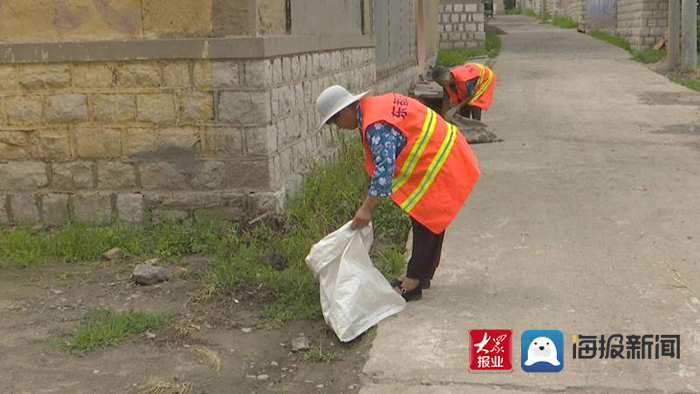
(470,86)
(412,155)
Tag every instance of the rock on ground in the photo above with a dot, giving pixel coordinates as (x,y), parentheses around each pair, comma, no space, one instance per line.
(147,274)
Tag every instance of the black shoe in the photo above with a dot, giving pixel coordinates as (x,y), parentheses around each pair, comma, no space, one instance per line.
(423,284)
(412,295)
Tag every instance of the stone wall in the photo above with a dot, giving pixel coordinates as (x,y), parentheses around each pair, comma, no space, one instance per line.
(461,24)
(205,128)
(574,9)
(642,22)
(100,141)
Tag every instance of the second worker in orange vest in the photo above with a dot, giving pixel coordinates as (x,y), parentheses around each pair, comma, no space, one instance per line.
(470,86)
(416,158)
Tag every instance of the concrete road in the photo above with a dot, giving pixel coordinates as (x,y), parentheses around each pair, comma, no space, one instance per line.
(583,217)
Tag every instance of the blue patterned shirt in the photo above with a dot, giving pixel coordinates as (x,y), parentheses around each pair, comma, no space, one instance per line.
(385,143)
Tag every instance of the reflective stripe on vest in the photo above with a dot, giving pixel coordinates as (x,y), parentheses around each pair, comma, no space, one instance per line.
(433,169)
(484,84)
(416,151)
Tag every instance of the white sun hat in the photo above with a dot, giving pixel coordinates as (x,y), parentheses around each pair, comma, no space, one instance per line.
(333,100)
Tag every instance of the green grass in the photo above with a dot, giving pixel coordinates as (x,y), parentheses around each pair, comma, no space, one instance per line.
(611,39)
(453,57)
(648,55)
(316,354)
(514,11)
(530,12)
(329,197)
(79,243)
(691,81)
(267,259)
(564,22)
(102,328)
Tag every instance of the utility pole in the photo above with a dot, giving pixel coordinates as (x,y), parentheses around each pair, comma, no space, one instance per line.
(689,50)
(544,10)
(673,51)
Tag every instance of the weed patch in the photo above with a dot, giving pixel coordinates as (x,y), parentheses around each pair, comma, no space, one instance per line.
(102,328)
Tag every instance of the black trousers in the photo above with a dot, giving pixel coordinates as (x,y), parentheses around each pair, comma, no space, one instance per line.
(427,247)
(469,111)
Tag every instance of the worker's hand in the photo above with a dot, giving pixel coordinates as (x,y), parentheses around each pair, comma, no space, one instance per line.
(362,218)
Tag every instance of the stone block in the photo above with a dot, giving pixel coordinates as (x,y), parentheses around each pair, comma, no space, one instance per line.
(188,138)
(224,74)
(115,108)
(158,108)
(25,209)
(454,18)
(116,175)
(258,73)
(286,69)
(309,99)
(8,78)
(261,140)
(245,108)
(176,74)
(202,74)
(14,145)
(130,207)
(139,75)
(212,175)
(458,8)
(299,95)
(24,110)
(310,65)
(277,71)
(224,141)
(471,8)
(289,130)
(302,66)
(296,72)
(66,108)
(44,76)
(478,17)
(448,8)
(93,75)
(92,208)
(4,212)
(230,207)
(285,101)
(55,208)
(51,144)
(23,175)
(98,142)
(162,176)
(73,175)
(196,107)
(138,140)
(253,174)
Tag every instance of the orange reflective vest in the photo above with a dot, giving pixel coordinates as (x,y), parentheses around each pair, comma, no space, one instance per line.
(436,170)
(483,94)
